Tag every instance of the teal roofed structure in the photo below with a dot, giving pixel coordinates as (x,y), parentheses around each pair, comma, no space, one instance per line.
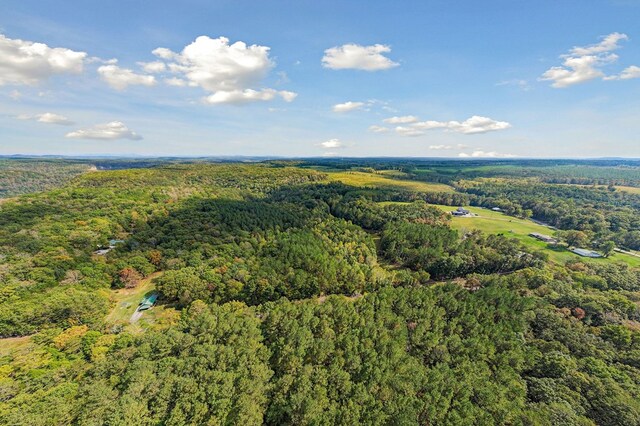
(148,302)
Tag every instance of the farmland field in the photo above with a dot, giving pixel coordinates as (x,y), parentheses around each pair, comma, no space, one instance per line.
(498,223)
(630,189)
(372,180)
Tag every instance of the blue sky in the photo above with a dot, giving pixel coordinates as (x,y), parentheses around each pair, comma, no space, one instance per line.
(298,78)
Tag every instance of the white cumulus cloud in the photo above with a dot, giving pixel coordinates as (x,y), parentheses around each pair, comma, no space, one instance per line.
(347,106)
(215,65)
(354,56)
(229,72)
(401,120)
(331,144)
(575,70)
(608,43)
(477,124)
(111,130)
(626,74)
(630,72)
(121,78)
(48,117)
(586,63)
(29,63)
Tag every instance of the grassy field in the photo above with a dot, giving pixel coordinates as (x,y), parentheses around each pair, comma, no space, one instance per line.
(386,181)
(9,345)
(498,223)
(126,302)
(630,189)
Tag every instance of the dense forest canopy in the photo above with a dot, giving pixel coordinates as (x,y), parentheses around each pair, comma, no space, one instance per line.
(289,294)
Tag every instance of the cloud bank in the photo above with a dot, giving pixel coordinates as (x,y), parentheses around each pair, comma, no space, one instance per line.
(472,125)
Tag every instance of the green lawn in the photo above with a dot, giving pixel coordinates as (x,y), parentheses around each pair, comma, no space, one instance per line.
(498,223)
(385,181)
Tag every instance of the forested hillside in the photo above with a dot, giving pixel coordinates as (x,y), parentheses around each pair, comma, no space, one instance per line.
(25,176)
(287,296)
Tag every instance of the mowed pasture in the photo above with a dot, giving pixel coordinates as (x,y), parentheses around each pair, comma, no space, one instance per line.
(629,189)
(621,188)
(498,223)
(385,181)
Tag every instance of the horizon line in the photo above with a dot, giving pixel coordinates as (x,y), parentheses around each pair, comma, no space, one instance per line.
(284,157)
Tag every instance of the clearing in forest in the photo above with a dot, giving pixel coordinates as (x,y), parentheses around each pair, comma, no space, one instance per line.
(126,302)
(629,189)
(386,181)
(493,222)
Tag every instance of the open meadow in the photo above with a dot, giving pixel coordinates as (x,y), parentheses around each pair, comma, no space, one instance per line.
(493,222)
(385,181)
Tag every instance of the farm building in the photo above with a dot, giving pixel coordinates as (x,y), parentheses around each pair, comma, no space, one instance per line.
(585,252)
(545,238)
(460,211)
